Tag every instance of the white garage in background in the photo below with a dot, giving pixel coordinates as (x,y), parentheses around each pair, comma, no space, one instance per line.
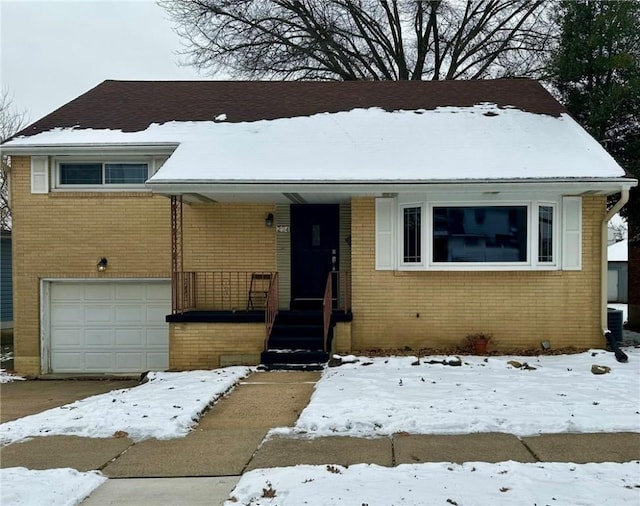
(114,326)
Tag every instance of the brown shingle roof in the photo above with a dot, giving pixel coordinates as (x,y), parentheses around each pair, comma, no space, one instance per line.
(133,105)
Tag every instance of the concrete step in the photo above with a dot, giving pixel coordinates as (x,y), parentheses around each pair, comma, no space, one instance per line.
(297,330)
(293,358)
(296,342)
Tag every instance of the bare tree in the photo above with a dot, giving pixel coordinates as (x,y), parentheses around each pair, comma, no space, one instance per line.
(364,39)
(11,121)
(618,230)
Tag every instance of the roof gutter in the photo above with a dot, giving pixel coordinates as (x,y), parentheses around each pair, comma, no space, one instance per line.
(56,149)
(624,198)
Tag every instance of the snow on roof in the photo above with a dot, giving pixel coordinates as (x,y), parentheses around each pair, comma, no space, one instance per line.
(618,252)
(482,142)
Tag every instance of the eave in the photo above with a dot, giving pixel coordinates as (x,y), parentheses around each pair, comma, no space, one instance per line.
(146,148)
(342,191)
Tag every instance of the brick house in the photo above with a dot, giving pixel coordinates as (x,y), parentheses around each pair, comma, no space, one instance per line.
(194,225)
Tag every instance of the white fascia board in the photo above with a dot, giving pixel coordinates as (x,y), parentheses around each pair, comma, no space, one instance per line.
(561,187)
(160,148)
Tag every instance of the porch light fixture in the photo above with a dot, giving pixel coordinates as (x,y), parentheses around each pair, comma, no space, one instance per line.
(102,264)
(268,221)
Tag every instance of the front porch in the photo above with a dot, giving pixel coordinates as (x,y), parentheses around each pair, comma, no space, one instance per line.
(219,319)
(295,313)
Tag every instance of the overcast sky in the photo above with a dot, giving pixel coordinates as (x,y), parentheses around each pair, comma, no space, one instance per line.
(53,51)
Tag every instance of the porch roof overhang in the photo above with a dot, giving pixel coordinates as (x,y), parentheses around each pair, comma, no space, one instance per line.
(303,192)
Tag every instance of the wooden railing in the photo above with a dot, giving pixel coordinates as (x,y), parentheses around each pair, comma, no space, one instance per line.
(218,290)
(271,310)
(337,297)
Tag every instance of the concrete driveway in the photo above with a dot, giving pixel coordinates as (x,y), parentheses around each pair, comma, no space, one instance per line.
(23,398)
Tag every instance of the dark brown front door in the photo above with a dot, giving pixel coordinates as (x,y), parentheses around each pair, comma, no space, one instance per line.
(314,252)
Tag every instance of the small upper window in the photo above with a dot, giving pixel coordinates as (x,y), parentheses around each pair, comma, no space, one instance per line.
(81,173)
(125,173)
(96,174)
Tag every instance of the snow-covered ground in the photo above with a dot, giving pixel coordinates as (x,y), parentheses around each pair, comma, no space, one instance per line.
(51,487)
(378,396)
(473,483)
(6,377)
(6,355)
(554,393)
(168,405)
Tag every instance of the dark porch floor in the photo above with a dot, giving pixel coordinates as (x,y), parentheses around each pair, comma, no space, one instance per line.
(241,316)
(217,317)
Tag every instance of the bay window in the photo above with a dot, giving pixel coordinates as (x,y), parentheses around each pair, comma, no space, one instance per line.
(458,235)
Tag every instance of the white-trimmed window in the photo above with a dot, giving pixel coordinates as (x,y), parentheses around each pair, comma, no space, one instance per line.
(101,174)
(458,235)
(547,232)
(411,235)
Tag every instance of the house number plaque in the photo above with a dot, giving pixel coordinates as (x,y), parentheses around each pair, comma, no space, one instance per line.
(283,228)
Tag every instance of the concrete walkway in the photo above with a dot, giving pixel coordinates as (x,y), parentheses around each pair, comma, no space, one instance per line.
(204,466)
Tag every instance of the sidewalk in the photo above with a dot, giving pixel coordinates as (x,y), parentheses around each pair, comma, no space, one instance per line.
(203,467)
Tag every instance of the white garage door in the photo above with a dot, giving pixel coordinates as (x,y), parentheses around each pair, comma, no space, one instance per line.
(114,327)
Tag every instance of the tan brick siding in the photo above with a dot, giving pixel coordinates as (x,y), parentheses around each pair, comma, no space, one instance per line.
(341,338)
(228,237)
(435,309)
(63,234)
(210,345)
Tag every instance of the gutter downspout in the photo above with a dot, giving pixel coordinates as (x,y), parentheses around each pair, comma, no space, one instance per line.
(624,198)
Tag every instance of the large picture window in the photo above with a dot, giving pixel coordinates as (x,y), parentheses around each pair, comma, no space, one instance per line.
(480,234)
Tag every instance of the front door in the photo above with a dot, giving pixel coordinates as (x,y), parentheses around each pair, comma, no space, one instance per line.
(314,252)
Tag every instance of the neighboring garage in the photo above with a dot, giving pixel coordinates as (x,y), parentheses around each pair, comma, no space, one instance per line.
(106,326)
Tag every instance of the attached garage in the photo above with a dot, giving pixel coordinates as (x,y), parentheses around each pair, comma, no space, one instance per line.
(105,326)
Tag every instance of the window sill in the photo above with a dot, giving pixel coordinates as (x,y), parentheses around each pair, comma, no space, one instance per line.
(480,268)
(89,193)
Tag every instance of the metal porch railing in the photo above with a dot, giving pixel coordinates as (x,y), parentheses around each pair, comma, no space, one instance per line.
(340,283)
(221,290)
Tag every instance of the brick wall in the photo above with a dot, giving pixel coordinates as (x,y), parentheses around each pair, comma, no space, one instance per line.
(63,234)
(435,309)
(211,345)
(228,237)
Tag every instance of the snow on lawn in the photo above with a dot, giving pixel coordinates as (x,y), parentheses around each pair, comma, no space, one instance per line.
(6,377)
(53,487)
(472,483)
(167,406)
(382,396)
